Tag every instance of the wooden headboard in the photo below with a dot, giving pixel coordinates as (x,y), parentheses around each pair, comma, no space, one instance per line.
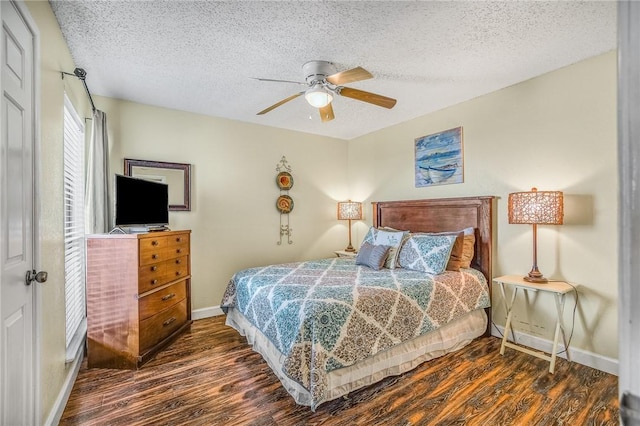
(445,214)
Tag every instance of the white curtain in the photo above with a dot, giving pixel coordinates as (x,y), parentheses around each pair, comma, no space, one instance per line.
(97,190)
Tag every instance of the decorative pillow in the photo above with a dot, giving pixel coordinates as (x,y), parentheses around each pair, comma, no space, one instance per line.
(382,236)
(394,240)
(372,256)
(468,247)
(426,252)
(455,258)
(370,237)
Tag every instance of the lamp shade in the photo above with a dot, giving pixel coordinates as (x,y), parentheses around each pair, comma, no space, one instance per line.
(536,207)
(349,210)
(318,96)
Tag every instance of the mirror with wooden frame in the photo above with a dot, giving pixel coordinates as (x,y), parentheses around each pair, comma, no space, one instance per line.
(176,175)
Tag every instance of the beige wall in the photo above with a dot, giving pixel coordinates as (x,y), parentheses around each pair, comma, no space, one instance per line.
(233,217)
(55,57)
(554,132)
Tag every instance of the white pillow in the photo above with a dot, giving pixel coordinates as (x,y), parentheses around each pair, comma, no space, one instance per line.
(394,241)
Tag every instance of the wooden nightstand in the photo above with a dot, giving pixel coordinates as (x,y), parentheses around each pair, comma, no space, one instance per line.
(559,289)
(343,253)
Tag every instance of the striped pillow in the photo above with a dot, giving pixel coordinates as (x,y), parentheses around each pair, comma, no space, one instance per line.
(372,256)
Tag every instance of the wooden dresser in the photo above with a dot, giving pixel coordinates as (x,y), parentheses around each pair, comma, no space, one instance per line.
(138,295)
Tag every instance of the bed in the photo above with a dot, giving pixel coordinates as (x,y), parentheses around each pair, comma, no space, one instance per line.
(330,326)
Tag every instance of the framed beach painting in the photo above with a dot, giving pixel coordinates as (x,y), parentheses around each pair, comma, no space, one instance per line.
(439,158)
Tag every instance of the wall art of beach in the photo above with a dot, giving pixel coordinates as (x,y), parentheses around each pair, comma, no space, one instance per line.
(439,159)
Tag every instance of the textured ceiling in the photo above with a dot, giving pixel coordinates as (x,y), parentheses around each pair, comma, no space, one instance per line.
(200,56)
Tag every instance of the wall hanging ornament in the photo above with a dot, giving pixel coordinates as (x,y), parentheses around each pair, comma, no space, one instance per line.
(284,203)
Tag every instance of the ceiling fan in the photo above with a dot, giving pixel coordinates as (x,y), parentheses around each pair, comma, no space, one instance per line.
(323,83)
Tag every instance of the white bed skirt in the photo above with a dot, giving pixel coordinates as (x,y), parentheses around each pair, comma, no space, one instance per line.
(394,361)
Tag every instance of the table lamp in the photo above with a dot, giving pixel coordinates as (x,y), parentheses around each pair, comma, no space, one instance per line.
(536,208)
(349,210)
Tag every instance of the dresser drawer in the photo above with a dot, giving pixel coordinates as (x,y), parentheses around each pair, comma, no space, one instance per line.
(153,250)
(162,299)
(152,276)
(176,250)
(158,327)
(176,241)
(177,268)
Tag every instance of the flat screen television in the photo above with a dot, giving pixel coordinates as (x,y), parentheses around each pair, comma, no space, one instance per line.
(141,203)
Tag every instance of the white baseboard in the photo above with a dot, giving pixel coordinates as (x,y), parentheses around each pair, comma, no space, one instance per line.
(211,311)
(590,359)
(63,396)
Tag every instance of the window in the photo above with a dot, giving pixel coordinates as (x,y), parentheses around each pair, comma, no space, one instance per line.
(74,235)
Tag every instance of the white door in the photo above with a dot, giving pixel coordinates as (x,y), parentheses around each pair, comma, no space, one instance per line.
(17,360)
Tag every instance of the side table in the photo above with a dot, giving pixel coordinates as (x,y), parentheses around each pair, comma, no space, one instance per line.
(344,253)
(559,289)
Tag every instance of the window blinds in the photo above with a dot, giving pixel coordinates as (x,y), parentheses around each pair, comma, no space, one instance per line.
(74,235)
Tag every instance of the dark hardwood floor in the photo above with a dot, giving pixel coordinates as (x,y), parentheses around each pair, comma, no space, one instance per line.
(210,376)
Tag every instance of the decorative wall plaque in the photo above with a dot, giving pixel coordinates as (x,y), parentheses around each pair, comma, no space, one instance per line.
(284,203)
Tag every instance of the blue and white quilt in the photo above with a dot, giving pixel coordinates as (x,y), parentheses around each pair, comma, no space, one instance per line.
(327,314)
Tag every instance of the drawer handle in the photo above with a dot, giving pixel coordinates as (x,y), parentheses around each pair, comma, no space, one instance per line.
(154,243)
(154,268)
(178,273)
(169,321)
(179,239)
(154,256)
(169,296)
(153,282)
(178,261)
(179,251)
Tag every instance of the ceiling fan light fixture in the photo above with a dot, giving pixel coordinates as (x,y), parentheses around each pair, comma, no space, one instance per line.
(318,96)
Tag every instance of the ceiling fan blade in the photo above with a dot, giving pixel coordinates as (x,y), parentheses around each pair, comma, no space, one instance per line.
(278,81)
(372,98)
(326,113)
(276,105)
(349,76)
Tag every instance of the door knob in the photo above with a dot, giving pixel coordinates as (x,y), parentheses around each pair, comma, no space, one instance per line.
(32,276)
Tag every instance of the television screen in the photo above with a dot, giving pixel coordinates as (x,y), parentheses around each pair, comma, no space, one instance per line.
(141,202)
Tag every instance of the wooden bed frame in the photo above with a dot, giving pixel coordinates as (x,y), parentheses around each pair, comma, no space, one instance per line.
(445,214)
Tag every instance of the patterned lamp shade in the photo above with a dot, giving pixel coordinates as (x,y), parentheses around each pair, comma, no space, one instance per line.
(536,207)
(349,210)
